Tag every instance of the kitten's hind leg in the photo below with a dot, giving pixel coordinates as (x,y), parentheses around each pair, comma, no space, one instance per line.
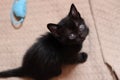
(50,75)
(58,72)
(40,79)
(82,57)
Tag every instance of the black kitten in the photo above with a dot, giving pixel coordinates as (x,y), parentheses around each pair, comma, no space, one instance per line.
(58,47)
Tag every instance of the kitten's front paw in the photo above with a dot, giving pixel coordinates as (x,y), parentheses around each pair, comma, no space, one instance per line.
(82,57)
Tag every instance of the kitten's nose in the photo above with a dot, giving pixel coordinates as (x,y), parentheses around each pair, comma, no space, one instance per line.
(72,36)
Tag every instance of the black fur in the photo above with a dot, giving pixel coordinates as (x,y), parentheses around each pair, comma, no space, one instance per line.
(58,47)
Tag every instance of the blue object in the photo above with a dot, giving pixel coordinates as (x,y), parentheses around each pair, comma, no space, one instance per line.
(18,11)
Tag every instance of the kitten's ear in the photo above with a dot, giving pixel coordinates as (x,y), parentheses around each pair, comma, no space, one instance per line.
(53,28)
(73,12)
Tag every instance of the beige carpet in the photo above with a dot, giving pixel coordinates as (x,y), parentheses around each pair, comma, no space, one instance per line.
(102,44)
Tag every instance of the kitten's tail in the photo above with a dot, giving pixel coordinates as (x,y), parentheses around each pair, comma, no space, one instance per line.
(18,72)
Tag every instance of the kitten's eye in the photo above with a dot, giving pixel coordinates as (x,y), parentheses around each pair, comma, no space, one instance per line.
(72,36)
(82,27)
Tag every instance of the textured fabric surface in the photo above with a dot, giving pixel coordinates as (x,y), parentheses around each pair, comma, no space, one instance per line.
(102,17)
(107,19)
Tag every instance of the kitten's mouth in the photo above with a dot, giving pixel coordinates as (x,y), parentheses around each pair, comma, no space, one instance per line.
(78,41)
(82,38)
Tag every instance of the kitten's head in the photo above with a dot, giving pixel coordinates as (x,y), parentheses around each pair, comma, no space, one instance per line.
(71,29)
